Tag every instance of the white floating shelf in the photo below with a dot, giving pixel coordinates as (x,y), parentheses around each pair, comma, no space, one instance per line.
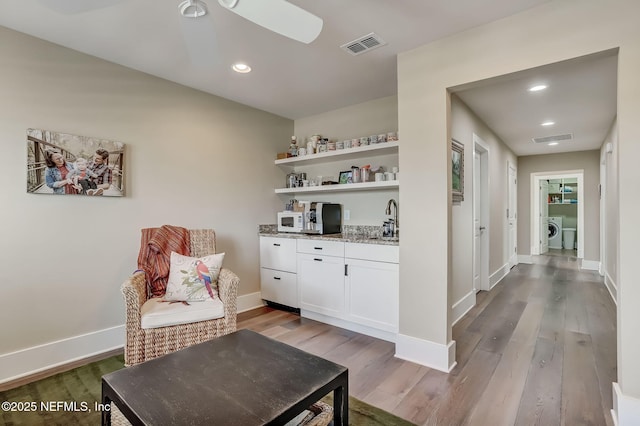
(382,148)
(365,186)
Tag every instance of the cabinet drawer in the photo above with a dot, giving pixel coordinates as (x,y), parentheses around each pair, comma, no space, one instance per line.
(325,248)
(278,253)
(377,253)
(279,287)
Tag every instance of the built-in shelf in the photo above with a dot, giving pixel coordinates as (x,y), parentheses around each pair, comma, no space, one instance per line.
(364,186)
(383,148)
(563,204)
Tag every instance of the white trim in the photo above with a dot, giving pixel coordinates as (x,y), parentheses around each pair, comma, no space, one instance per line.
(358,328)
(612,287)
(427,353)
(626,409)
(512,254)
(25,362)
(525,258)
(498,275)
(246,302)
(462,306)
(590,265)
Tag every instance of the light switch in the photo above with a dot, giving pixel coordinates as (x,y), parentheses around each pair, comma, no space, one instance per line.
(347,215)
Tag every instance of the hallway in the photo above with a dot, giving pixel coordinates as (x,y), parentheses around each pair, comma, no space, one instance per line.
(540,348)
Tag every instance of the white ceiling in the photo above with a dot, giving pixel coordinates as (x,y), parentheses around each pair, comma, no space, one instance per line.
(580,98)
(296,80)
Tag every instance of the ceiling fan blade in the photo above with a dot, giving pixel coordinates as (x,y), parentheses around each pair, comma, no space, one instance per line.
(279,16)
(71,7)
(201,40)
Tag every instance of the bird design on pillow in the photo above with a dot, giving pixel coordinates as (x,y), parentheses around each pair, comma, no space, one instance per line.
(204,276)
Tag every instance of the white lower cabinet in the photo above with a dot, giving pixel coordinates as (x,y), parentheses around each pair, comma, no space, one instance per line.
(278,281)
(321,283)
(371,290)
(279,286)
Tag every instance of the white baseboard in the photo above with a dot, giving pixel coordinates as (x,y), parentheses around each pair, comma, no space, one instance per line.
(29,361)
(590,265)
(462,306)
(25,362)
(424,352)
(611,286)
(246,302)
(626,409)
(358,328)
(525,258)
(498,275)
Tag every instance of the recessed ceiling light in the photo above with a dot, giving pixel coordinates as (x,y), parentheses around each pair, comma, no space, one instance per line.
(548,123)
(537,88)
(241,68)
(553,143)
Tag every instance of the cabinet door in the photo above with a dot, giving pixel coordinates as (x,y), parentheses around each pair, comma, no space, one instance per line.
(279,287)
(278,253)
(321,284)
(372,294)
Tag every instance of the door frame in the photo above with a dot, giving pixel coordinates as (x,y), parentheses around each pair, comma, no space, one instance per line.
(535,206)
(512,258)
(483,149)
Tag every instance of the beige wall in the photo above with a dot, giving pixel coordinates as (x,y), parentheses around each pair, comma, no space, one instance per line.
(589,162)
(464,123)
(552,32)
(193,159)
(364,119)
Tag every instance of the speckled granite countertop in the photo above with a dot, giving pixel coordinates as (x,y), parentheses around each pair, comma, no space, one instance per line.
(350,234)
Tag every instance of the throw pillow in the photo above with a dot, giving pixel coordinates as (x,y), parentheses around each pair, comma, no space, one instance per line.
(193,279)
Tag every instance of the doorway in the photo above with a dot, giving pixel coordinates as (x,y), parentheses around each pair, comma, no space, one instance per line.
(564,207)
(480,214)
(512,214)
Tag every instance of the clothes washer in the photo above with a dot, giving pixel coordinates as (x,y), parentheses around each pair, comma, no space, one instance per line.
(555,232)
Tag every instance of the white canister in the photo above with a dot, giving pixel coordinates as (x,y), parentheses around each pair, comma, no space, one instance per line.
(390,176)
(379,177)
(302,151)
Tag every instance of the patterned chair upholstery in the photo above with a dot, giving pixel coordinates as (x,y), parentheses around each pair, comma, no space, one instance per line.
(145,344)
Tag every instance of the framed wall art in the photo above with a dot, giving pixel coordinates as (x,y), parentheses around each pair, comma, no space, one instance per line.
(457,171)
(65,164)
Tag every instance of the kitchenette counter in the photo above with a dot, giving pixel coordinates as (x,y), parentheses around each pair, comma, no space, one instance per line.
(353,234)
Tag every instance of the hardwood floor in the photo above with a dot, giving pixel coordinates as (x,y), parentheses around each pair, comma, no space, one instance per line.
(538,349)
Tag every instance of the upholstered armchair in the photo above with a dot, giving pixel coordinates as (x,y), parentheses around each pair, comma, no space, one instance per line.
(147,343)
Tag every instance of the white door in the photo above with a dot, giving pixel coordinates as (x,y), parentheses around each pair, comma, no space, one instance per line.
(477,227)
(512,216)
(544,216)
(321,284)
(480,185)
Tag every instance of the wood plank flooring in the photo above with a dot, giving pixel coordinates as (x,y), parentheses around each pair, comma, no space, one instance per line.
(538,349)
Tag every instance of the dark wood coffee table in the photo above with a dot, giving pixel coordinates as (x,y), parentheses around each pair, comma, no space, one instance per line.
(241,379)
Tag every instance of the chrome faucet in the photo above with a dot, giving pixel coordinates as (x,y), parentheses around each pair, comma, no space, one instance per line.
(396,228)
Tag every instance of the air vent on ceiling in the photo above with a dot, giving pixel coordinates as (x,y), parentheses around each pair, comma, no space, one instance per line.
(556,138)
(363,44)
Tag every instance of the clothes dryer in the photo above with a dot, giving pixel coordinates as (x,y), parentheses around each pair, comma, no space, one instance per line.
(555,232)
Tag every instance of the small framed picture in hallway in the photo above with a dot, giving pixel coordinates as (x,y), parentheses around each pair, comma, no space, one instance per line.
(457,171)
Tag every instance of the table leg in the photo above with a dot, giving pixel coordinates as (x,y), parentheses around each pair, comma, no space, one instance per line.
(106,413)
(341,405)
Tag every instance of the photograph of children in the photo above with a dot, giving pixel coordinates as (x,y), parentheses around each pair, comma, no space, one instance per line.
(61,163)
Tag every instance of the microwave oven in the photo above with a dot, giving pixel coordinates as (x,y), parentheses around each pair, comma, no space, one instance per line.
(291,221)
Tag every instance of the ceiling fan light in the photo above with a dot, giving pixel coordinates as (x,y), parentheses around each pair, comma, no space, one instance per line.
(241,68)
(193,8)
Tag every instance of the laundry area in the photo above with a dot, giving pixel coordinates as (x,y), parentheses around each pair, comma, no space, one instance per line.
(563,215)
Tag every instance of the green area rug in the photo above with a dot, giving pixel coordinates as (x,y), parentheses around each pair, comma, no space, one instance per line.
(80,389)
